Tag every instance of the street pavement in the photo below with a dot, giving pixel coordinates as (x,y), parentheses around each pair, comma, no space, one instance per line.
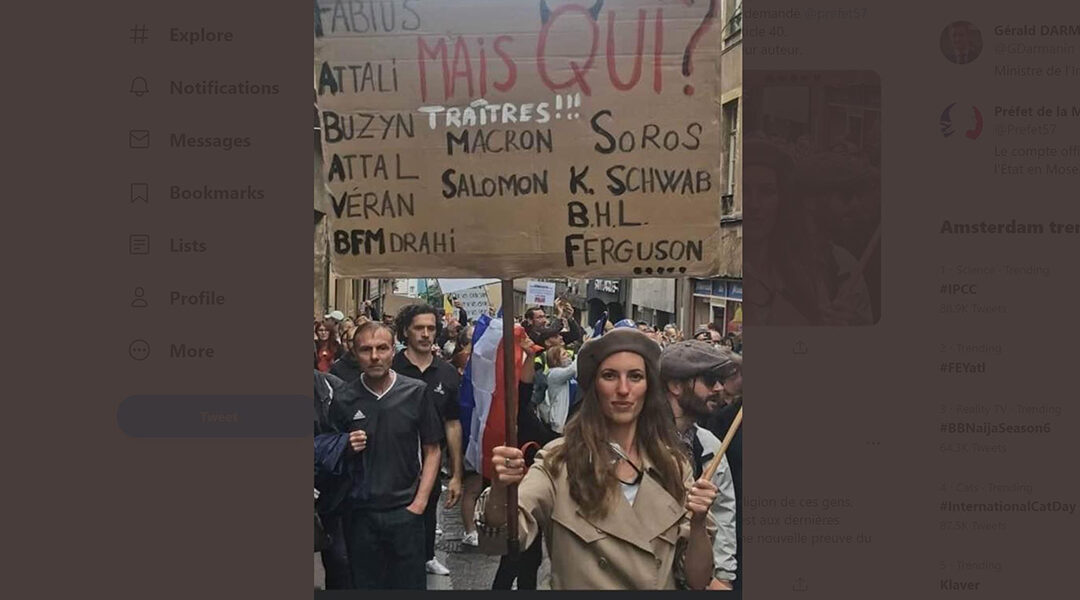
(469,569)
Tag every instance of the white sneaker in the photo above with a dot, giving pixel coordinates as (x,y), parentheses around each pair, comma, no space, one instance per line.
(471,539)
(436,568)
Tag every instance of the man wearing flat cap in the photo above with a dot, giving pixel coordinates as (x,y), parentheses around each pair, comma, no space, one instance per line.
(693,372)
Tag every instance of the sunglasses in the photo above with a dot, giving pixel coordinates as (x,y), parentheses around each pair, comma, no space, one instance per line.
(621,456)
(712,377)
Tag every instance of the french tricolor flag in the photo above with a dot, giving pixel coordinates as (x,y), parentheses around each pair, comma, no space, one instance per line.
(483,393)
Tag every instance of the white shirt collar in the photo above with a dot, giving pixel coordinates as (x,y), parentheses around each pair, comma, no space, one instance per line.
(393,380)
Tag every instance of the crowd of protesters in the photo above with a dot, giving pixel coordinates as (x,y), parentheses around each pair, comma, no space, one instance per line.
(616,424)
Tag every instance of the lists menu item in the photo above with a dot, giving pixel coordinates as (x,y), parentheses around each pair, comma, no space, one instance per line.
(524,137)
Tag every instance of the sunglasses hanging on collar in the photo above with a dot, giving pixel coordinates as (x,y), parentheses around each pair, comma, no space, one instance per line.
(620,455)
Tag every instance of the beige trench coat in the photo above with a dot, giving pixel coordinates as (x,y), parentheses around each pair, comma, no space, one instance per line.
(632,547)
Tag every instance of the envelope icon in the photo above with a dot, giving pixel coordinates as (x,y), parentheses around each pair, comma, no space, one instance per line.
(139,139)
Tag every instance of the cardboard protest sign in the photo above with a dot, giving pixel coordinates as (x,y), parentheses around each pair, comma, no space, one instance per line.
(494,292)
(392,303)
(474,301)
(509,138)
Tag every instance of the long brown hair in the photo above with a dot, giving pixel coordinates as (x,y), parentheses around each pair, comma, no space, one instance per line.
(332,344)
(587,456)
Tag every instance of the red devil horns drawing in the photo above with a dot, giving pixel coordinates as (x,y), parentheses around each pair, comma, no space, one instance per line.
(545,12)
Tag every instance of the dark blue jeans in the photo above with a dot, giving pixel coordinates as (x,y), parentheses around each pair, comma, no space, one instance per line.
(335,559)
(386,549)
(431,519)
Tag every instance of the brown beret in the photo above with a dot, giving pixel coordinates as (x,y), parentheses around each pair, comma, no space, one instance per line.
(686,360)
(621,339)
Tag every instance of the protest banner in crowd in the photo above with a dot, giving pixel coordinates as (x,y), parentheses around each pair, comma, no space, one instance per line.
(510,138)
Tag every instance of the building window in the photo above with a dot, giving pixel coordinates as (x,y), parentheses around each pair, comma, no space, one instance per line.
(731,131)
(733,10)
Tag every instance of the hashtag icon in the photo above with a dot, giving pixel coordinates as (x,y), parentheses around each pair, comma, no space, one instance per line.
(944,428)
(945,506)
(138,34)
(944,367)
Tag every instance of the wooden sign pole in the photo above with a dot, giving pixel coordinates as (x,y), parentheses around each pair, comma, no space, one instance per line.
(510,388)
(715,462)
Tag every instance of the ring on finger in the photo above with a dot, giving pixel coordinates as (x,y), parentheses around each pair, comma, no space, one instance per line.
(507,463)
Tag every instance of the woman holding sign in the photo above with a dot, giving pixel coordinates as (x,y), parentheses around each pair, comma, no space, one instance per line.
(612,496)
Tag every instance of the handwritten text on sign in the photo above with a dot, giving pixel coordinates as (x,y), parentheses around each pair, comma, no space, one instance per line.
(505,138)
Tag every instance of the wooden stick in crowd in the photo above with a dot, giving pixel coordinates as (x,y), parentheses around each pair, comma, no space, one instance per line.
(511,392)
(710,470)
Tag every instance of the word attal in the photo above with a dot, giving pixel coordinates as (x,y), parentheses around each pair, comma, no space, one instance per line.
(346,167)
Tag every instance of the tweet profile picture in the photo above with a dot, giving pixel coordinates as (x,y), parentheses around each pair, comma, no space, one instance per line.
(961,42)
(961,121)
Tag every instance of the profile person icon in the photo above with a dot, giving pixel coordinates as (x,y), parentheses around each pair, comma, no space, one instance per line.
(961,42)
(139,301)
